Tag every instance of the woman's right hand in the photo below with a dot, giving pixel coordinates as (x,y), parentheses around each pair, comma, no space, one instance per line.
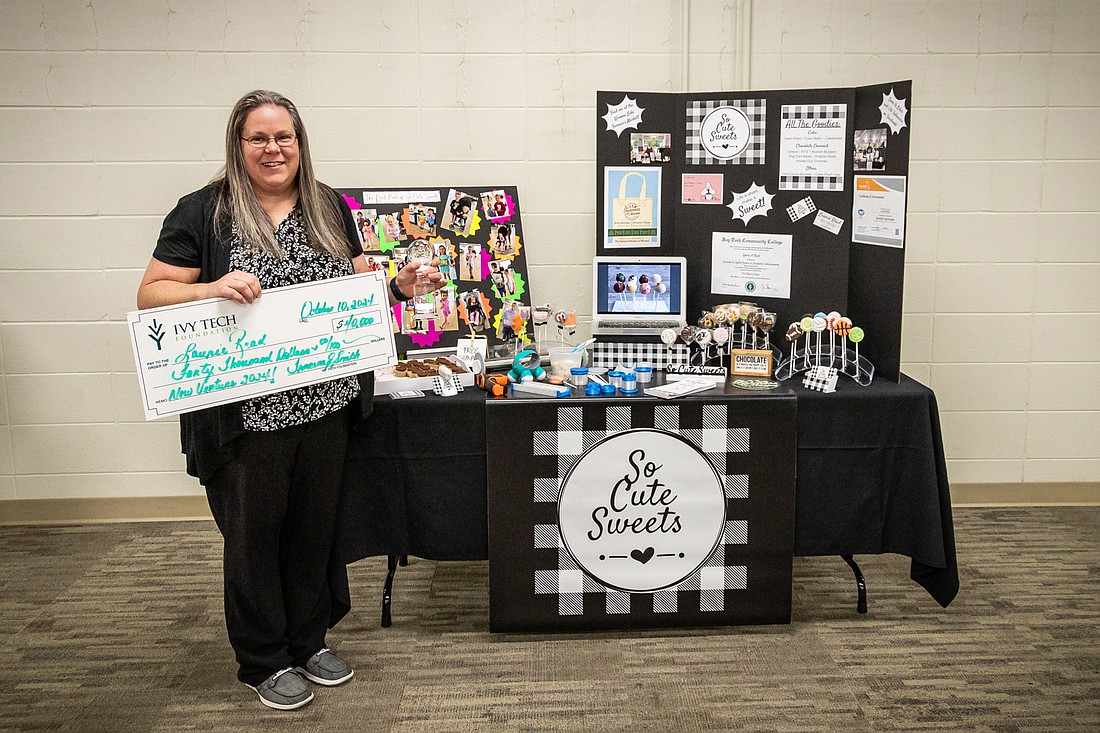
(243,287)
(165,284)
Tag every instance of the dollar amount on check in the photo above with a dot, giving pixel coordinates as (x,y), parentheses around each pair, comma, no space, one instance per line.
(196,355)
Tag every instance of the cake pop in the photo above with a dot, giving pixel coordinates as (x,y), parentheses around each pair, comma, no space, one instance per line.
(855,336)
(843,328)
(767,321)
(794,332)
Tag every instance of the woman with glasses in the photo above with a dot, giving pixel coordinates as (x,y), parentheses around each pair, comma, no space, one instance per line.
(271,465)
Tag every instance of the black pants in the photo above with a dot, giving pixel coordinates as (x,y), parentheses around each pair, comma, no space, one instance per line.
(275,505)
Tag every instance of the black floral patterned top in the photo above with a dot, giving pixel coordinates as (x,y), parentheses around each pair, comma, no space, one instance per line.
(301,263)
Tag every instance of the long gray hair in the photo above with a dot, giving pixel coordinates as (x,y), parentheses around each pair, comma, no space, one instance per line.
(237,201)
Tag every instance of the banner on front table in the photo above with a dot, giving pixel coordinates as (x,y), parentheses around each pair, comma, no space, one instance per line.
(211,352)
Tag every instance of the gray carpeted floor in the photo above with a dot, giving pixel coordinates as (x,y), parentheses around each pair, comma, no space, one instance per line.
(119,628)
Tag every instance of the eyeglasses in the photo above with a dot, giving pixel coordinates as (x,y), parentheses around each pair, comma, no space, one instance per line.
(259,141)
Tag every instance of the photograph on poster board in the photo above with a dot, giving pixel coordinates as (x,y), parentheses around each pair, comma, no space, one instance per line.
(726,132)
(701,188)
(878,210)
(869,149)
(502,240)
(650,147)
(420,220)
(513,320)
(474,308)
(632,207)
(458,215)
(377,262)
(745,263)
(444,251)
(811,147)
(366,222)
(503,279)
(495,205)
(470,256)
(390,230)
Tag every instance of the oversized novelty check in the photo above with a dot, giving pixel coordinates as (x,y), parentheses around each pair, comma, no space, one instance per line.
(211,352)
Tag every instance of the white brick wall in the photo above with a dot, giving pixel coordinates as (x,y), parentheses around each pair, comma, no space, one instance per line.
(111,110)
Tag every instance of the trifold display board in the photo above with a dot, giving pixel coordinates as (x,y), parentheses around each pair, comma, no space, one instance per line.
(792,199)
(476,233)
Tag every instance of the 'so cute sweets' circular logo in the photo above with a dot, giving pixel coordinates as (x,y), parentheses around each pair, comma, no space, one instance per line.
(725,132)
(642,510)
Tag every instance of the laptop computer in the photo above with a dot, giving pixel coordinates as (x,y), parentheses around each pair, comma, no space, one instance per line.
(638,295)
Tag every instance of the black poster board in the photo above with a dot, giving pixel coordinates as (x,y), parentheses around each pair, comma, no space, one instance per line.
(827,270)
(647,545)
(478,235)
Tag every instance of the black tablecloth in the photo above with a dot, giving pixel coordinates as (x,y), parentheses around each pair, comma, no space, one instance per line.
(871,479)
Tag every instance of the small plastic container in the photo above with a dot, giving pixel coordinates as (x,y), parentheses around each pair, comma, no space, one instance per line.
(579,376)
(644,374)
(616,378)
(630,384)
(592,390)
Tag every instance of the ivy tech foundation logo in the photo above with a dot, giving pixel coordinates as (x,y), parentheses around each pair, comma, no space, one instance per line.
(156,332)
(642,510)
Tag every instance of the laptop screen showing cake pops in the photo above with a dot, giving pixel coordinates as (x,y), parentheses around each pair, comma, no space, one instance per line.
(638,295)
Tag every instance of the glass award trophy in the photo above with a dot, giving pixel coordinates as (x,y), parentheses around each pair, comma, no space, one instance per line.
(423,300)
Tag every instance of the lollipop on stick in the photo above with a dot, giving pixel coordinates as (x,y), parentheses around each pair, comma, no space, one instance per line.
(744,308)
(830,323)
(644,286)
(807,324)
(855,336)
(842,329)
(632,287)
(620,285)
(721,335)
(767,321)
(794,332)
(703,337)
(818,325)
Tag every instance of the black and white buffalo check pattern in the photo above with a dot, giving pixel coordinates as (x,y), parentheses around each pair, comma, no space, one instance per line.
(821,379)
(710,582)
(811,112)
(755,110)
(658,356)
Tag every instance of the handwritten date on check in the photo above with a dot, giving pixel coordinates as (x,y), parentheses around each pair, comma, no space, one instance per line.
(192,356)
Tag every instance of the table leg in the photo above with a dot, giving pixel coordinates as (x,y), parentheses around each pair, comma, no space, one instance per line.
(861,584)
(392,562)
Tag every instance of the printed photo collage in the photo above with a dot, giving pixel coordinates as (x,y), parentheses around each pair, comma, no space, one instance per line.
(476,234)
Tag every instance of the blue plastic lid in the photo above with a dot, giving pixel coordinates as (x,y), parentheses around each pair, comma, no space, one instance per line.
(630,377)
(607,389)
(578,370)
(645,369)
(592,390)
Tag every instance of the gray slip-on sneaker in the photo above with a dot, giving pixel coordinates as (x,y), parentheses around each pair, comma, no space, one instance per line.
(284,690)
(325,668)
